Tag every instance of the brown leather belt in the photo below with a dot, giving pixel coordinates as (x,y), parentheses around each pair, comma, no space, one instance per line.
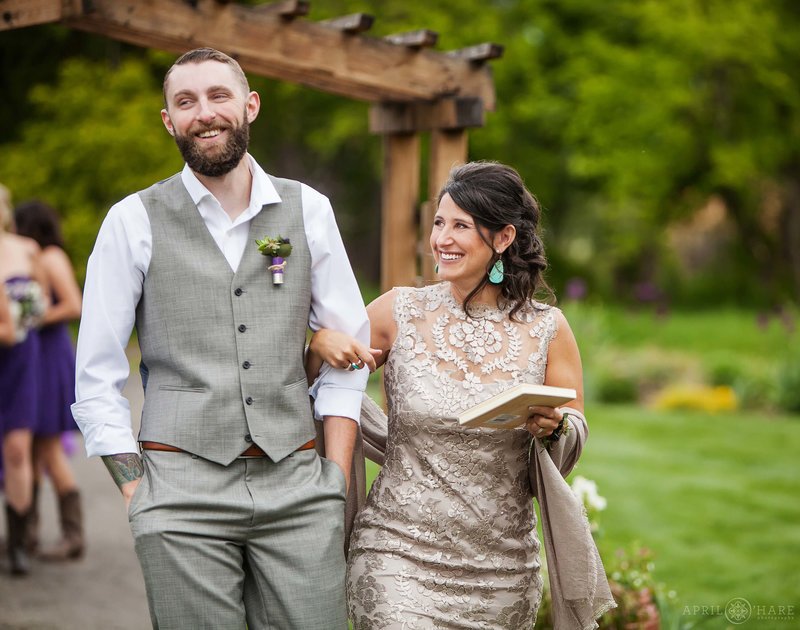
(252,451)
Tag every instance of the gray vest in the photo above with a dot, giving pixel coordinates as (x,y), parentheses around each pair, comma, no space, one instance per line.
(223,351)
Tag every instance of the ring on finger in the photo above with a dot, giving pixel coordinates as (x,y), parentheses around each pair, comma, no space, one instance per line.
(354,366)
(539,431)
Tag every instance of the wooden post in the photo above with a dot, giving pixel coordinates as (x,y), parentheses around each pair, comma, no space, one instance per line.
(448,148)
(448,121)
(400,196)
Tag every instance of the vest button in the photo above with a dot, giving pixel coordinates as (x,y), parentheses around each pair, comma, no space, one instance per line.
(249,400)
(248,438)
(242,327)
(238,291)
(246,365)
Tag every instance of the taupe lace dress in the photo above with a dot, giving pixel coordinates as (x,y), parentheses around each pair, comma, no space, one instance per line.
(447,537)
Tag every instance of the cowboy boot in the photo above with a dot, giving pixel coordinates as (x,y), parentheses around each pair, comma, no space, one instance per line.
(31,535)
(71,545)
(17,555)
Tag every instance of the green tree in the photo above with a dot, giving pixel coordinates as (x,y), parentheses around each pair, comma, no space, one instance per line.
(624,118)
(93,138)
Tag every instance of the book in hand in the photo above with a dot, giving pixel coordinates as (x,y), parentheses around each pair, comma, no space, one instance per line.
(509,408)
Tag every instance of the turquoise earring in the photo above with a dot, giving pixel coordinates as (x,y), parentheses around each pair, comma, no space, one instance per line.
(436,268)
(497,272)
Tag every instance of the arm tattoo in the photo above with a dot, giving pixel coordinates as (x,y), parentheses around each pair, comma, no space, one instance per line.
(124,467)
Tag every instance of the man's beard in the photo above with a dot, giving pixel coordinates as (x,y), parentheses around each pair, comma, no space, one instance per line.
(224,159)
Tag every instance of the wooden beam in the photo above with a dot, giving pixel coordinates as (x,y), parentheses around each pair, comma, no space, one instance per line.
(448,149)
(422,38)
(21,13)
(478,53)
(354,23)
(400,196)
(286,9)
(448,113)
(299,51)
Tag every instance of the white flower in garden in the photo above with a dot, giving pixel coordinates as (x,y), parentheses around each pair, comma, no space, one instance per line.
(586,492)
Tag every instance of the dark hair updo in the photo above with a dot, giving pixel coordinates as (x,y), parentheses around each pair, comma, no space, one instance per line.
(39,221)
(495,196)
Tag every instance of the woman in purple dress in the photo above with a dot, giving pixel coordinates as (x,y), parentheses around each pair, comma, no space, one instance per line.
(22,280)
(39,221)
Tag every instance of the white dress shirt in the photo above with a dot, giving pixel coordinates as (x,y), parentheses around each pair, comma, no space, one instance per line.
(115,275)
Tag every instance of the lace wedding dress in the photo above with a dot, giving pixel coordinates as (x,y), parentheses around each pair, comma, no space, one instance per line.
(447,537)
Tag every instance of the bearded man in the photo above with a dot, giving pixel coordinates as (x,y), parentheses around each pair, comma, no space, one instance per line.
(235,518)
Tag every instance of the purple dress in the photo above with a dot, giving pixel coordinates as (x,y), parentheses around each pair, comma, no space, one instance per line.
(19,374)
(57,380)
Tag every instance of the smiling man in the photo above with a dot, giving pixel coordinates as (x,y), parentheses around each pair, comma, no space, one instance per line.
(236,520)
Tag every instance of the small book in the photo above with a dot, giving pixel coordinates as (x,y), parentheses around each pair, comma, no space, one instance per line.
(509,408)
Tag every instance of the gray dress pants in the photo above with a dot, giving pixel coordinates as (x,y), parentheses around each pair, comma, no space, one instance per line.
(256,542)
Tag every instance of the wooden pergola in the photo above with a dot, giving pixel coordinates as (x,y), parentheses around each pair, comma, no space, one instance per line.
(412,89)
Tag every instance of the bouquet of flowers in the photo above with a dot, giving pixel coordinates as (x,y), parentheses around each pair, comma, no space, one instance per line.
(27,305)
(278,249)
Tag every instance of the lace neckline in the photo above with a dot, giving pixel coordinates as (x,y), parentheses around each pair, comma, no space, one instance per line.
(484,347)
(451,360)
(477,310)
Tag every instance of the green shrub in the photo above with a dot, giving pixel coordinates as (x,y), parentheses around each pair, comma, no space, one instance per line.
(615,387)
(788,386)
(633,375)
(756,389)
(751,380)
(725,369)
(631,579)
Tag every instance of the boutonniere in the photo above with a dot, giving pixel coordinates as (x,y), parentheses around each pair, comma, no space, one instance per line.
(278,249)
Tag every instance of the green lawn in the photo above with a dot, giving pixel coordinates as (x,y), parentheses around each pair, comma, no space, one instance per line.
(747,334)
(717,497)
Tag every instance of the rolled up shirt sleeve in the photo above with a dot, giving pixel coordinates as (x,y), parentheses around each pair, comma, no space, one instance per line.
(114,277)
(336,304)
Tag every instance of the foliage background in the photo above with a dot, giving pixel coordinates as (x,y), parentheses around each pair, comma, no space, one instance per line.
(661,136)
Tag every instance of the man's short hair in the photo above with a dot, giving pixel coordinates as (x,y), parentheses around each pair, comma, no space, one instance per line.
(199,55)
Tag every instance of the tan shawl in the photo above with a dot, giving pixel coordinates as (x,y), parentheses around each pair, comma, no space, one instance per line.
(578,584)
